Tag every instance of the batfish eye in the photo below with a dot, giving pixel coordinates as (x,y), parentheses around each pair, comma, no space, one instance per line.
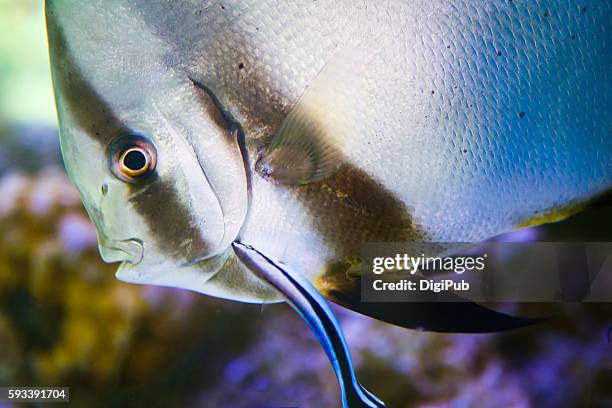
(134,162)
(132,157)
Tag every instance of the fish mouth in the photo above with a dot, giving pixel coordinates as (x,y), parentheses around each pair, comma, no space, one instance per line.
(129,251)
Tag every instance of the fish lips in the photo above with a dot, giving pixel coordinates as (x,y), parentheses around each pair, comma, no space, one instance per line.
(130,251)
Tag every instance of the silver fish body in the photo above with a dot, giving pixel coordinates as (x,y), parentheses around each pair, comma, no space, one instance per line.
(451,121)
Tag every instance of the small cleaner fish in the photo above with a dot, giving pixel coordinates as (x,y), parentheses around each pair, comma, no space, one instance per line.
(247,149)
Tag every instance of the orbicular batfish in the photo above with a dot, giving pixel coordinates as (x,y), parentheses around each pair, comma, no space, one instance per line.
(213,142)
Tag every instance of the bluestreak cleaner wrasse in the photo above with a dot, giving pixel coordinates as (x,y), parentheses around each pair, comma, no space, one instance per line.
(310,305)
(305,129)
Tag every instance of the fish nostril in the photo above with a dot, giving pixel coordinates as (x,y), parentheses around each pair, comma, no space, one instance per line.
(104,189)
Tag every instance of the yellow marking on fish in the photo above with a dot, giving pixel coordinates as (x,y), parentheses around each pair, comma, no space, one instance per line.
(551,215)
(340,194)
(339,275)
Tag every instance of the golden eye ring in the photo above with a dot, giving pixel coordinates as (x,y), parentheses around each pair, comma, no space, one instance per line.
(135,161)
(132,157)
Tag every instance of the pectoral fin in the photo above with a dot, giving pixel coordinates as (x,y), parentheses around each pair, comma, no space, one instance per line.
(308,146)
(301,152)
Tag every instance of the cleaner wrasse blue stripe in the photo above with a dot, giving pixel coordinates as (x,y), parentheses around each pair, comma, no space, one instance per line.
(314,310)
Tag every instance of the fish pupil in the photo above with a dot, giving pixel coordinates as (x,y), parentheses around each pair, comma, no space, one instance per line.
(135,160)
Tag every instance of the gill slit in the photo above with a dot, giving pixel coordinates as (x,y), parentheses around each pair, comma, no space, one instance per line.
(237,132)
(176,135)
